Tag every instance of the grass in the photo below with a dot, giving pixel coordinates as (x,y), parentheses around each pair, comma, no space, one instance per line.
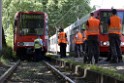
(108,72)
(7,54)
(4,61)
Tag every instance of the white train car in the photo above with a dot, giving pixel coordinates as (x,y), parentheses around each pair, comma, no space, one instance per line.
(53,47)
(70,31)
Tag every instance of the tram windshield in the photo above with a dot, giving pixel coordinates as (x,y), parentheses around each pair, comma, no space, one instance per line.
(31,24)
(104,19)
(121,15)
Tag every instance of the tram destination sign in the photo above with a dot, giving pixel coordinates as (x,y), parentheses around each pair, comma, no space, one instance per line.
(30,20)
(32,16)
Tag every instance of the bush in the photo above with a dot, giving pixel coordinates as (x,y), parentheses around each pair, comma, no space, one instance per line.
(7,52)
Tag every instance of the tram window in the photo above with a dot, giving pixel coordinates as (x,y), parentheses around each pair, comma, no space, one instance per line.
(23,31)
(121,15)
(123,24)
(104,19)
(104,16)
(34,24)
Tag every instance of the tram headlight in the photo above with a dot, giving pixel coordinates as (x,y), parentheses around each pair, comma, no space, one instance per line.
(122,43)
(20,43)
(105,43)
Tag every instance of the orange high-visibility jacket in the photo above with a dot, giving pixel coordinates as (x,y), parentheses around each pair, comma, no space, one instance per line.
(78,38)
(93,28)
(115,25)
(62,38)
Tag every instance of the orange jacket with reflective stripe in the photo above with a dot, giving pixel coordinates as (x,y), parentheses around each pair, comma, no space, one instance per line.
(62,38)
(93,27)
(78,38)
(115,25)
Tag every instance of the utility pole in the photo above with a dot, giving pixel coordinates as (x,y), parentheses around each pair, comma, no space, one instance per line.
(0,25)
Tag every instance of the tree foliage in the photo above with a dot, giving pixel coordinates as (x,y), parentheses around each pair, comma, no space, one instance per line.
(60,12)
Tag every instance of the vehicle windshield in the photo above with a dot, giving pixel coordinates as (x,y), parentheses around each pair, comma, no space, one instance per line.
(104,19)
(105,15)
(31,24)
(121,15)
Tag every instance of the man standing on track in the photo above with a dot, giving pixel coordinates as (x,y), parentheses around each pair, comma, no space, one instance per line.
(62,42)
(114,32)
(38,46)
(92,29)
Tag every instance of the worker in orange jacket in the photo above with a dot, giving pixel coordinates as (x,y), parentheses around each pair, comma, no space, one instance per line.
(114,31)
(78,41)
(62,42)
(92,29)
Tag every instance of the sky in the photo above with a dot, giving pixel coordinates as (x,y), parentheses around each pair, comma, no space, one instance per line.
(107,4)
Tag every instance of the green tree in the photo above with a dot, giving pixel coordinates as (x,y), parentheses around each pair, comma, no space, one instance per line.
(64,12)
(60,12)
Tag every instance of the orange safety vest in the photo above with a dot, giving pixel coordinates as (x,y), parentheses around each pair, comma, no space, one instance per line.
(115,25)
(78,38)
(62,38)
(93,28)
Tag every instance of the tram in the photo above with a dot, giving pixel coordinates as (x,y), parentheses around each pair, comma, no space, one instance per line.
(27,26)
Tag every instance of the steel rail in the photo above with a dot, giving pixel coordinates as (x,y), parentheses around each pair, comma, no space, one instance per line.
(8,72)
(61,74)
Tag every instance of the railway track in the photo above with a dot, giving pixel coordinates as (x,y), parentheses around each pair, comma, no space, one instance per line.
(3,69)
(38,72)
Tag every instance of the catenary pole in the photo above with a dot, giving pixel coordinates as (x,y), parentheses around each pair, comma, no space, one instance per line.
(0,25)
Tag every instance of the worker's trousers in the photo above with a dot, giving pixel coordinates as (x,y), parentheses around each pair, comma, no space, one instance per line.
(78,50)
(62,50)
(93,48)
(38,55)
(115,48)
